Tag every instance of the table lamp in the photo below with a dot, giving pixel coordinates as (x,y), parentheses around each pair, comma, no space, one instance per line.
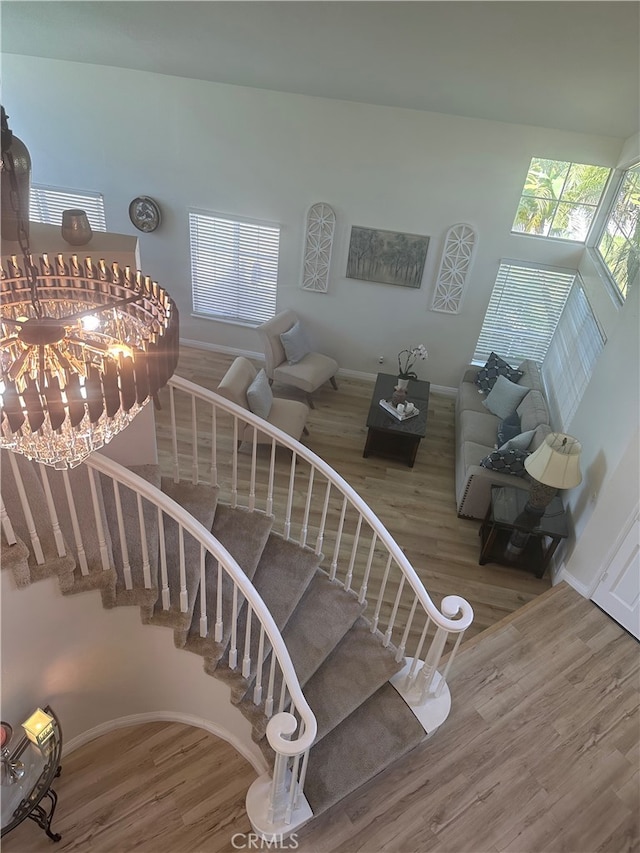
(554,465)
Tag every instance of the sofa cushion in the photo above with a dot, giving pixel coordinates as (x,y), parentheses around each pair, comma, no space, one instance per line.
(480,427)
(531,375)
(518,442)
(539,435)
(509,428)
(533,411)
(494,368)
(508,461)
(260,395)
(473,453)
(504,397)
(295,343)
(470,397)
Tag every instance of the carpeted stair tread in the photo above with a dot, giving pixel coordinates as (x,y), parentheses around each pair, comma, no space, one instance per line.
(244,535)
(356,668)
(139,595)
(380,731)
(16,558)
(199,500)
(283,574)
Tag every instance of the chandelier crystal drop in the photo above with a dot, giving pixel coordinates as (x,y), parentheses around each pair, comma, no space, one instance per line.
(79,364)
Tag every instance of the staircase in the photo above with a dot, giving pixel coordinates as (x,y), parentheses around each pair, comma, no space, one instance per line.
(331,696)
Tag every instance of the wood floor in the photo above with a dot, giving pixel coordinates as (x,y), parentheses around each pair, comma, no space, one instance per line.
(417,504)
(539,755)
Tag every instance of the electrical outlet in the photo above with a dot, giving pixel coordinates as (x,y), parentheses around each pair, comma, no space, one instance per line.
(380,359)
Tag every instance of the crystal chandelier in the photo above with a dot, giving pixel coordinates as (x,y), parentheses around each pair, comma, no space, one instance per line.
(83,346)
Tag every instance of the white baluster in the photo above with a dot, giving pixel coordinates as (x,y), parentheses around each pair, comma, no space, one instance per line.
(75,525)
(97,511)
(252,482)
(164,572)
(233,646)
(276,793)
(53,515)
(403,642)
(303,776)
(283,695)
(293,786)
(429,669)
(365,581)
(144,545)
(7,527)
(26,509)
(217,636)
(443,679)
(203,593)
(214,445)
(257,690)
(184,600)
(195,468)
(234,465)
(174,436)
(414,664)
(268,705)
(352,561)
(394,612)
(292,480)
(307,508)
(383,586)
(124,550)
(336,550)
(323,519)
(246,660)
(272,469)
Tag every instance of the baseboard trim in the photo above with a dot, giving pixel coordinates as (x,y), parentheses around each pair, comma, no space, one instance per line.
(563,575)
(259,765)
(187,342)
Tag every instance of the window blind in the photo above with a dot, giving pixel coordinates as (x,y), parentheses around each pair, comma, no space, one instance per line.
(234,267)
(523,311)
(47,203)
(573,353)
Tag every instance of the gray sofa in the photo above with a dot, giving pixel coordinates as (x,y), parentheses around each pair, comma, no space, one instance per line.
(476,436)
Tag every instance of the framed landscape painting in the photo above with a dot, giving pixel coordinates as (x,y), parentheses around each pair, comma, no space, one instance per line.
(390,257)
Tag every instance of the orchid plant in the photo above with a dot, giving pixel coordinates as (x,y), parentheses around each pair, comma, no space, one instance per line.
(407,358)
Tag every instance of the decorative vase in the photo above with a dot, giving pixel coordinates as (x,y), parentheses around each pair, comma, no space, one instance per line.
(76,228)
(400,391)
(16,174)
(402,384)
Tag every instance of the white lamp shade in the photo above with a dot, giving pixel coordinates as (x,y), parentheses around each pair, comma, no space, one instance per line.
(556,462)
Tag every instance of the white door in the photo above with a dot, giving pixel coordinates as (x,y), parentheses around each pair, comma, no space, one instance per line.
(618,592)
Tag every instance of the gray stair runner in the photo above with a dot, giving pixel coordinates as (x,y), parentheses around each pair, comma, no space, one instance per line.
(363,724)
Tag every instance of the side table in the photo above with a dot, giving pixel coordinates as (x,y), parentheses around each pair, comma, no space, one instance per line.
(542,534)
(26,796)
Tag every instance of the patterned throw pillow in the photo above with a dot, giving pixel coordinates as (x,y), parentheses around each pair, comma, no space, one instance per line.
(507,462)
(508,428)
(495,367)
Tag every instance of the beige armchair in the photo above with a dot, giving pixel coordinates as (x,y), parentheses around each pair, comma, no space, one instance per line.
(308,373)
(288,415)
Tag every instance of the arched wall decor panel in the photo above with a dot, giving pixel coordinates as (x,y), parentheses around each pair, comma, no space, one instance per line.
(321,224)
(457,256)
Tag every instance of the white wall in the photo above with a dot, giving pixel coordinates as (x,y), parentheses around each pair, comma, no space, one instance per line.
(94,666)
(270,155)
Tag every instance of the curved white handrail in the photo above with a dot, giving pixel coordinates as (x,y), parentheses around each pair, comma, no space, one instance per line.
(452,621)
(200,533)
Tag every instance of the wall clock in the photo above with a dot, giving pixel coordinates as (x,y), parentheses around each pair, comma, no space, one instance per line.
(144,212)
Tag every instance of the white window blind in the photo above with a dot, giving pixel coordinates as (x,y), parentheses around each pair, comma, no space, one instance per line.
(234,267)
(572,355)
(523,312)
(47,203)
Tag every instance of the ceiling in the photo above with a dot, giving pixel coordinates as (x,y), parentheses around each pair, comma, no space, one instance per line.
(568,65)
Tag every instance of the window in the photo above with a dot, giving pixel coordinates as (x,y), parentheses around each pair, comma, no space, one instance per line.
(619,243)
(523,312)
(234,268)
(573,353)
(560,199)
(47,203)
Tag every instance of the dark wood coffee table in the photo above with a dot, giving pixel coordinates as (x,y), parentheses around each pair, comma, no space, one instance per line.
(388,436)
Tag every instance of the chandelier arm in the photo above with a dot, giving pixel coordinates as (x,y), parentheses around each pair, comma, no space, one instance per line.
(115,303)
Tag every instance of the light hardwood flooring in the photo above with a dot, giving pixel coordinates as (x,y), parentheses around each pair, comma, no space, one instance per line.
(539,755)
(417,505)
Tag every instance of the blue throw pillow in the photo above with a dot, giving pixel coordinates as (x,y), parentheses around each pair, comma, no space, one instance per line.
(504,397)
(518,442)
(260,395)
(295,344)
(508,428)
(495,367)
